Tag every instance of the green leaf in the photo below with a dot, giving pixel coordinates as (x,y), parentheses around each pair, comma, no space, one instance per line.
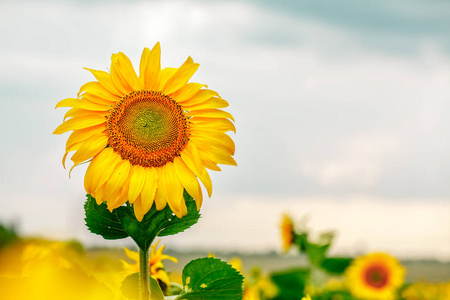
(122,223)
(336,265)
(130,288)
(331,295)
(175,224)
(155,289)
(291,283)
(211,278)
(101,221)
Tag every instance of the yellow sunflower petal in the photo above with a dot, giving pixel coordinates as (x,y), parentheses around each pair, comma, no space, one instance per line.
(150,67)
(209,160)
(188,180)
(137,182)
(123,195)
(117,77)
(160,196)
(105,80)
(128,72)
(78,113)
(79,123)
(210,113)
(164,75)
(149,189)
(173,189)
(91,147)
(99,100)
(187,91)
(214,102)
(200,97)
(117,178)
(81,103)
(219,137)
(206,180)
(99,193)
(96,88)
(181,76)
(160,200)
(133,255)
(219,124)
(192,151)
(83,134)
(100,169)
(139,210)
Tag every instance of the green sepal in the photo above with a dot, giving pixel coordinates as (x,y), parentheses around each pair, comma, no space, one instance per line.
(211,278)
(101,221)
(144,232)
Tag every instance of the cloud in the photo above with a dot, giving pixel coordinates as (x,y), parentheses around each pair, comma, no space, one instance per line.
(360,165)
(322,104)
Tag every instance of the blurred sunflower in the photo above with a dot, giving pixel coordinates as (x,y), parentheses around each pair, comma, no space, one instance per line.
(427,291)
(375,276)
(287,232)
(147,137)
(156,266)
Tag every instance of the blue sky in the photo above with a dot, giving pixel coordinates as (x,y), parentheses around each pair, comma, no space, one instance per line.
(337,103)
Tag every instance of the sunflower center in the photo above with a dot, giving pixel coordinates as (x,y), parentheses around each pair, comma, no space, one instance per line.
(147,128)
(376,276)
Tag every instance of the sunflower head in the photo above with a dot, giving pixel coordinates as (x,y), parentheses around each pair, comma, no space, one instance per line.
(287,232)
(375,276)
(147,137)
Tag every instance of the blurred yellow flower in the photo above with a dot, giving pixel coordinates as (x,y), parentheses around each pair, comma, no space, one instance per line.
(307,297)
(427,291)
(287,232)
(156,266)
(375,276)
(147,137)
(236,263)
(48,270)
(257,286)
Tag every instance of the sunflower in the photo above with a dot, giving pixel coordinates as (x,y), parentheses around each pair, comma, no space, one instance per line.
(156,266)
(375,276)
(287,232)
(427,291)
(148,137)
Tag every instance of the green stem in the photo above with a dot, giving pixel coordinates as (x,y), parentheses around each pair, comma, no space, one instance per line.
(144,275)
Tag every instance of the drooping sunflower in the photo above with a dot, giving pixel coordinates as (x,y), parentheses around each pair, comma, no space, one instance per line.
(375,276)
(156,266)
(287,232)
(147,137)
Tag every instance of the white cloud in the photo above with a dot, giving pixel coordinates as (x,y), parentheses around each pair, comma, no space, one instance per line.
(360,165)
(313,104)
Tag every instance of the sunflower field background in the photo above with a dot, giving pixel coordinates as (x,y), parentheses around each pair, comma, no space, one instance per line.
(337,122)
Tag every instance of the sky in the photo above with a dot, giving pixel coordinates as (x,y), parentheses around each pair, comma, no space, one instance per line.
(340,106)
